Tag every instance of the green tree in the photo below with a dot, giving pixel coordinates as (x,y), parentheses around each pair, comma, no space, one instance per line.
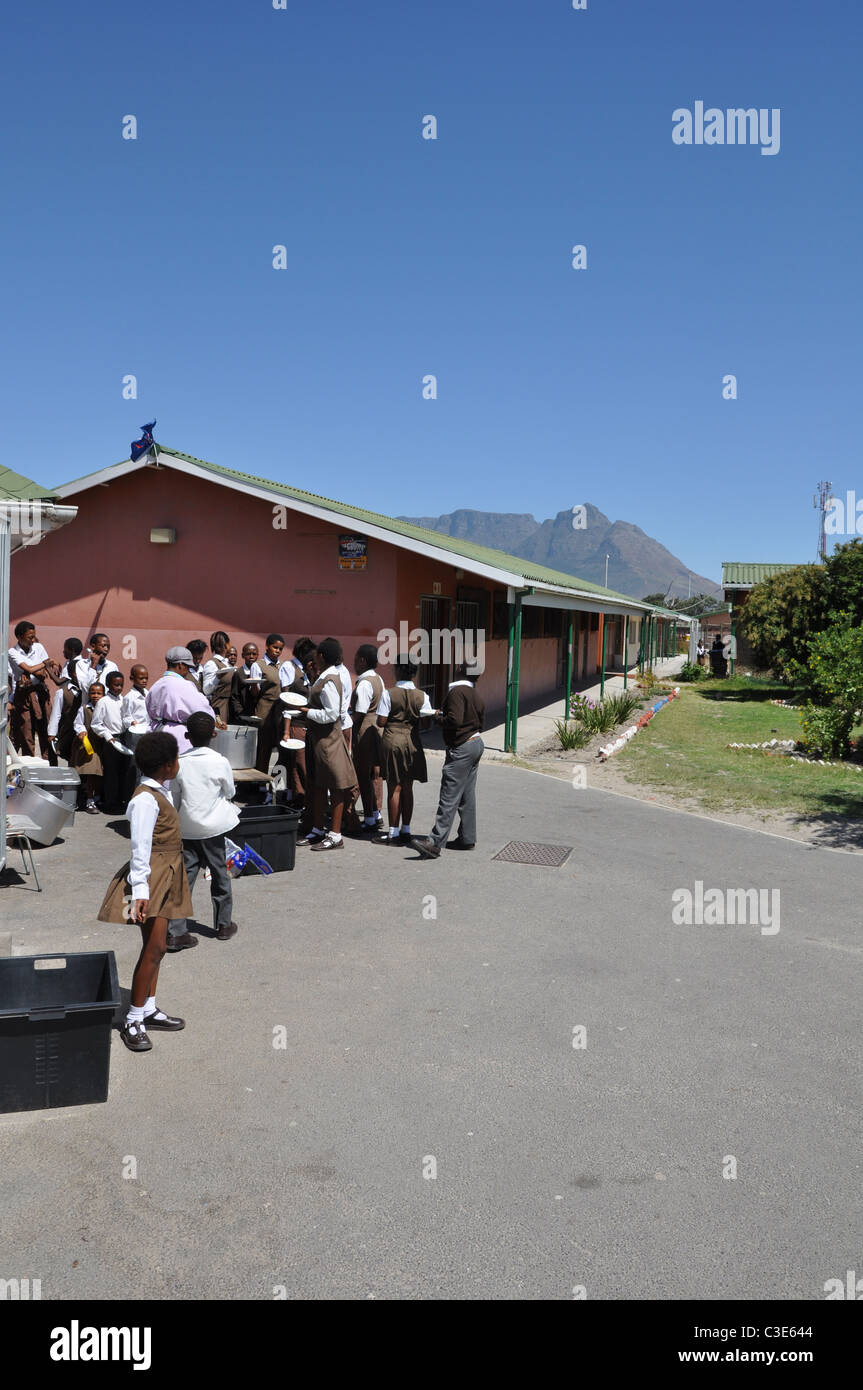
(780,617)
(834,684)
(844,571)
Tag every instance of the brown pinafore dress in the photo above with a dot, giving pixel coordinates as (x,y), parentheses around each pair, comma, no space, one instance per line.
(221,696)
(403,757)
(169,887)
(367,735)
(332,763)
(87,764)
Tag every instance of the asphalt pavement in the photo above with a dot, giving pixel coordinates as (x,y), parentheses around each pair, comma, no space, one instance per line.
(429,1130)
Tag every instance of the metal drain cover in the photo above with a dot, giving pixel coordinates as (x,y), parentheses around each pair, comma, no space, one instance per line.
(519,852)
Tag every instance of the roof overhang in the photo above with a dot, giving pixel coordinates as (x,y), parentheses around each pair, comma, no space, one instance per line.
(30,521)
(546,595)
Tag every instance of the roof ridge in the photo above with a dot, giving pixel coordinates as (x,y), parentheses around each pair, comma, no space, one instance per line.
(471,550)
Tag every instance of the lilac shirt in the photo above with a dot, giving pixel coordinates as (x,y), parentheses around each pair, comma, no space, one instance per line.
(170,701)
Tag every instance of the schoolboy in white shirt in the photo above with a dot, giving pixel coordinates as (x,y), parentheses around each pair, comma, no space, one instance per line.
(202,793)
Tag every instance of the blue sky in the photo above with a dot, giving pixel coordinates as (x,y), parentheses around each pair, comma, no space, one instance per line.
(407,256)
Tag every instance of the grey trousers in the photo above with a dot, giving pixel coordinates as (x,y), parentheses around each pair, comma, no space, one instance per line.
(458,792)
(207,854)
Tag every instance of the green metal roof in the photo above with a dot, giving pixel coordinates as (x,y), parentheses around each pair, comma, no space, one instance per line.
(14,488)
(740,575)
(464,550)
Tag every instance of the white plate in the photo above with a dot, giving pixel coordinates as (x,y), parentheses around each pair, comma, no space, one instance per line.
(291,697)
(292,743)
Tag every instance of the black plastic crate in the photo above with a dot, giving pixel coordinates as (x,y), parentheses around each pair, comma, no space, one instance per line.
(55,1029)
(272,832)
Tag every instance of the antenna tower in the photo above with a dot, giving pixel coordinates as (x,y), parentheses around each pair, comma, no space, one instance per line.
(820,500)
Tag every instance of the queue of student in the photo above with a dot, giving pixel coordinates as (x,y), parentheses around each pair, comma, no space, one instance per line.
(146,751)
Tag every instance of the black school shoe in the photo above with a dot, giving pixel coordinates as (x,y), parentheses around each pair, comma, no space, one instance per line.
(135,1037)
(165,1023)
(181,943)
(426,846)
(459,843)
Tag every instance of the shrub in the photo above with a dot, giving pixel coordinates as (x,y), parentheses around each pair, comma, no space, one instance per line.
(571,735)
(834,685)
(691,671)
(826,729)
(622,705)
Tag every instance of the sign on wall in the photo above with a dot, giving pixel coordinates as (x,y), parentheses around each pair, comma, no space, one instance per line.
(353,552)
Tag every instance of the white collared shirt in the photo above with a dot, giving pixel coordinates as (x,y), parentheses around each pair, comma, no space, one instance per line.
(251,671)
(386,703)
(202,792)
(87,674)
(332,699)
(288,672)
(210,672)
(78,723)
(142,814)
(134,709)
(347,684)
(17,655)
(108,717)
(365,693)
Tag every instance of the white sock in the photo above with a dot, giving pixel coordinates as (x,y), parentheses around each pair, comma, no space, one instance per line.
(334,835)
(393,831)
(370,820)
(406,830)
(318,831)
(135,1014)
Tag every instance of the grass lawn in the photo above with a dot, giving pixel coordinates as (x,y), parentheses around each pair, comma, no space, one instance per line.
(683,752)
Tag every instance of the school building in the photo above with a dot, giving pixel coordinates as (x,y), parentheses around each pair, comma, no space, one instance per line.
(739,578)
(172,547)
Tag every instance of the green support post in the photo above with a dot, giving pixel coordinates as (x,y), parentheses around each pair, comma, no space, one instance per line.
(510,644)
(516,668)
(566,713)
(602,662)
(625,648)
(642,627)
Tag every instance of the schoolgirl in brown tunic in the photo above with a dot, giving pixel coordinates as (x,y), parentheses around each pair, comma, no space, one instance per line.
(151,888)
(86,763)
(367,738)
(333,768)
(403,759)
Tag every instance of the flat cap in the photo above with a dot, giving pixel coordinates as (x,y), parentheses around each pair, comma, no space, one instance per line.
(179,654)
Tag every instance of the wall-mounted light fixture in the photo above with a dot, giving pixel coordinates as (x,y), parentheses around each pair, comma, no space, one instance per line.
(163,535)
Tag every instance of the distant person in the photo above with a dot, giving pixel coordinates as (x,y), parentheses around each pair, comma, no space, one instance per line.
(118,767)
(66,701)
(366,750)
(152,888)
(463,717)
(96,664)
(718,662)
(217,675)
(202,793)
(403,759)
(85,756)
(197,647)
(333,769)
(173,697)
(28,715)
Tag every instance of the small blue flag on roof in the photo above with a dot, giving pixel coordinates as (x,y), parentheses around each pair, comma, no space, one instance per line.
(145,443)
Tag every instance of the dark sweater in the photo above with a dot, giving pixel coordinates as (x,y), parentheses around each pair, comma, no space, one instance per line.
(463,715)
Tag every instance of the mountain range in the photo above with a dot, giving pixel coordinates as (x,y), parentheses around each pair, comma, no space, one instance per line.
(637,564)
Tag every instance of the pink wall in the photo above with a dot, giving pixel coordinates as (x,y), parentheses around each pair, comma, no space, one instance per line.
(230,568)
